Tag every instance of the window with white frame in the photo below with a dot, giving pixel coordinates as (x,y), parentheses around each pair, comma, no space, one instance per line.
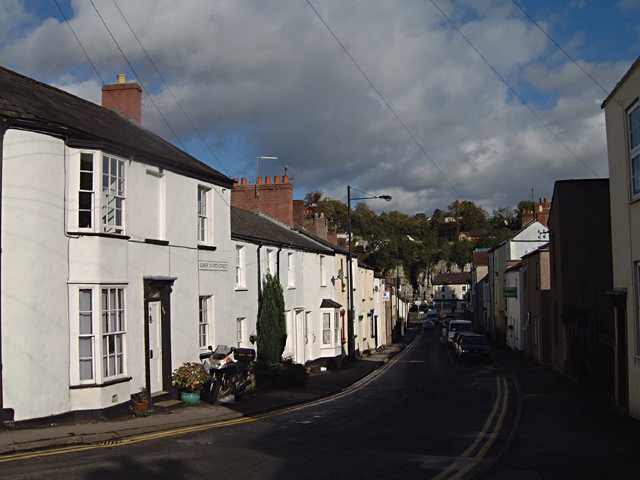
(240,332)
(203,322)
(291,273)
(240,267)
(86,192)
(336,327)
(112,195)
(326,328)
(634,148)
(112,332)
(203,236)
(99,354)
(271,261)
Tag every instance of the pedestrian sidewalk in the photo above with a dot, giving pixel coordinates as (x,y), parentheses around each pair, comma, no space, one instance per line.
(318,385)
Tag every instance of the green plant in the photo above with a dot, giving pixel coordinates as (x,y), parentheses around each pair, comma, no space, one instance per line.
(190,377)
(271,335)
(141,396)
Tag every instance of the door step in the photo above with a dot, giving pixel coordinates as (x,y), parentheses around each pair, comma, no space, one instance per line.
(166,406)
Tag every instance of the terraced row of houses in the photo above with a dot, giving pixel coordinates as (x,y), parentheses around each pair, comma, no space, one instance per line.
(566,288)
(123,257)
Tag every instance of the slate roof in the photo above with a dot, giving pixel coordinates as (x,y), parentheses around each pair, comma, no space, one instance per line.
(31,105)
(253,227)
(451,278)
(316,238)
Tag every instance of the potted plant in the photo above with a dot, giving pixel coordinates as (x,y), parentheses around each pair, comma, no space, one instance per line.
(189,378)
(140,401)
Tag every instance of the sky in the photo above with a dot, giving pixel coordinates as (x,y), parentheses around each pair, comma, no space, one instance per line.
(430,102)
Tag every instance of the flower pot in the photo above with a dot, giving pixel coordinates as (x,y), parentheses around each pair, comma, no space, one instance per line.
(190,398)
(141,407)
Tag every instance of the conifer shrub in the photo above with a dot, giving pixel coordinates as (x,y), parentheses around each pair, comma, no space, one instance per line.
(272,324)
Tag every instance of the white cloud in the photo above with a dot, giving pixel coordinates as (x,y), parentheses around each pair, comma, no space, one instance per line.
(260,79)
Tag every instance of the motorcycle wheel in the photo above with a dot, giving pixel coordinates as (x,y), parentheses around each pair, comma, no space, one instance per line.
(211,392)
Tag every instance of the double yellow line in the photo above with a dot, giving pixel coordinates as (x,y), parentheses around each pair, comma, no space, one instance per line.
(501,403)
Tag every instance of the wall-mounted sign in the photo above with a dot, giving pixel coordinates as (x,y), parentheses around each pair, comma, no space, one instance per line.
(510,292)
(213,266)
(386,296)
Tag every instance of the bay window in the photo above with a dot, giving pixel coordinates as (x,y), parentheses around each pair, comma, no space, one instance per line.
(99,326)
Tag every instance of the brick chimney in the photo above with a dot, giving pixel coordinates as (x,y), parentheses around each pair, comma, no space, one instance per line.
(272,198)
(125,98)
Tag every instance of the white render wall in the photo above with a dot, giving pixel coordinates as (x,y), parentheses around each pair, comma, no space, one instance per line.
(43,266)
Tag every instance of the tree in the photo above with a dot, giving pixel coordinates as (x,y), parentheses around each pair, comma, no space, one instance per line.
(313,198)
(272,324)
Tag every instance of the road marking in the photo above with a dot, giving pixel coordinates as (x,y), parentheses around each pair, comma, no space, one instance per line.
(208,426)
(502,399)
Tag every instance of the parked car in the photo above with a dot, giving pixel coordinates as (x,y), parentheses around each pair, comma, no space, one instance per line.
(458,326)
(473,346)
(428,325)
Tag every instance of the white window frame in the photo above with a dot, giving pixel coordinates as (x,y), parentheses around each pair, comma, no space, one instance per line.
(106,334)
(204,322)
(204,230)
(240,267)
(240,328)
(86,191)
(326,329)
(112,208)
(633,127)
(291,272)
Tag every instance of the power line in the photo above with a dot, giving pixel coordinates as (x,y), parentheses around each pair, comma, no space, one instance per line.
(134,72)
(383,99)
(169,89)
(513,91)
(561,49)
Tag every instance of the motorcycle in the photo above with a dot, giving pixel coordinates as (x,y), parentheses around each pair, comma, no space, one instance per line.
(228,368)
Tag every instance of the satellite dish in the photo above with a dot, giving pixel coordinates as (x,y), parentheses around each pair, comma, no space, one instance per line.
(340,274)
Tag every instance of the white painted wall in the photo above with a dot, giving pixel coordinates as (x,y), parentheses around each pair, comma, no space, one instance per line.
(43,264)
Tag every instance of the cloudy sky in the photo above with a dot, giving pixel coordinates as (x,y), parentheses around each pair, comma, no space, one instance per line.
(427,101)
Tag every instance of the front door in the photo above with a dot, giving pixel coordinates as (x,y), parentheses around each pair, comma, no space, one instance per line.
(155,346)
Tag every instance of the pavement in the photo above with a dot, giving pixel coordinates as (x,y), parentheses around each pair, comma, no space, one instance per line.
(319,384)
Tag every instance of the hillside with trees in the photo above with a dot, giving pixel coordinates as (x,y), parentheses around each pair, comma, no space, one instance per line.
(418,243)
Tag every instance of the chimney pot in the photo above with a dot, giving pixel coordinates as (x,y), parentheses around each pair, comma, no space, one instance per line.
(243,181)
(259,180)
(122,78)
(267,180)
(276,179)
(285,179)
(235,181)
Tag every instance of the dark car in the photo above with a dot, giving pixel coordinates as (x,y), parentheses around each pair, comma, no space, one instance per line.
(428,325)
(473,346)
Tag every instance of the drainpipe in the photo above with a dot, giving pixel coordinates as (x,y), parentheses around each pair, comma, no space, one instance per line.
(3,128)
(259,283)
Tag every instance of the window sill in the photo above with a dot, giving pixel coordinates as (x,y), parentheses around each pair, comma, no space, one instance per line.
(101,385)
(100,234)
(207,247)
(154,241)
(241,289)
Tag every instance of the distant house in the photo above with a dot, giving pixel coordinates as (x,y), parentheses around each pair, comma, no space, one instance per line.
(116,252)
(472,235)
(450,291)
(536,304)
(622,112)
(479,298)
(513,297)
(527,239)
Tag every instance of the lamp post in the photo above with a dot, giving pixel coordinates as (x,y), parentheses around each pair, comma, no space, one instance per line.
(351,344)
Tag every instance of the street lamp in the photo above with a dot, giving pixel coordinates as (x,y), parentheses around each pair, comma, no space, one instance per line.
(351,314)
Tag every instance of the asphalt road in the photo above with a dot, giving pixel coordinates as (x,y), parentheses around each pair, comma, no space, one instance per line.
(423,415)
